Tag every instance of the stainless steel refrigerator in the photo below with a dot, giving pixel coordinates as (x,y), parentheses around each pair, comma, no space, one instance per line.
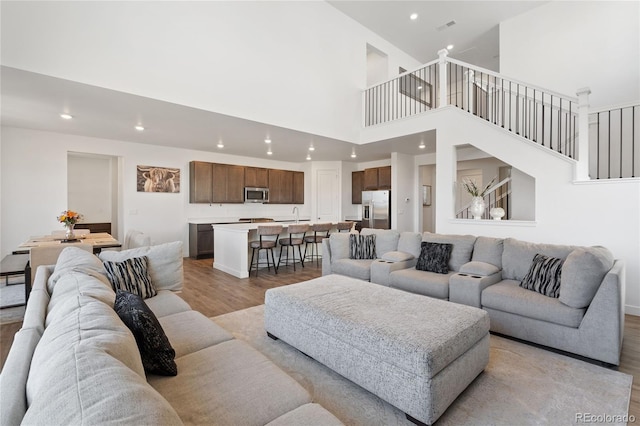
(376,209)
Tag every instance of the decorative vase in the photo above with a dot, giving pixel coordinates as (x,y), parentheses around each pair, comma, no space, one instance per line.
(69,235)
(477,207)
(496,213)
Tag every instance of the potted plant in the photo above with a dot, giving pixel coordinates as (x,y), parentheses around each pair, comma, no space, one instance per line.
(477,206)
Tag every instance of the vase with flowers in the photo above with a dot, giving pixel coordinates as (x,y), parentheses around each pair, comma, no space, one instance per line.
(477,206)
(68,219)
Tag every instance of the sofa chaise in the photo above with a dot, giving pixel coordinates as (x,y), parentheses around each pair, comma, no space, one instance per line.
(74,361)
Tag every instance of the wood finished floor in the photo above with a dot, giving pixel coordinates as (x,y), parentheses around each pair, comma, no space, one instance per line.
(213,293)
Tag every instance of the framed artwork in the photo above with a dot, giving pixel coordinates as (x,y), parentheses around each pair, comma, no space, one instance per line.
(158,179)
(426,195)
(416,88)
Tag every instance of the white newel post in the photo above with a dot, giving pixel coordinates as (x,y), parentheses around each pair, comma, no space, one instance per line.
(442,71)
(582,169)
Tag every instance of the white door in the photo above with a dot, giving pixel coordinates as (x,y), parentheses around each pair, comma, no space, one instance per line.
(327,206)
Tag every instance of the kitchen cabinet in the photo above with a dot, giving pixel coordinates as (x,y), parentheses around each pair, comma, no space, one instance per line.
(200,240)
(280,186)
(256,177)
(200,182)
(370,179)
(298,187)
(384,177)
(228,183)
(357,186)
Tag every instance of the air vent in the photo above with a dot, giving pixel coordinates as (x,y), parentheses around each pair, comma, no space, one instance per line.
(447,25)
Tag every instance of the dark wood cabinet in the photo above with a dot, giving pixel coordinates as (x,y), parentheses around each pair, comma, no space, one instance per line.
(357,186)
(225,183)
(200,240)
(200,181)
(280,186)
(256,177)
(370,179)
(298,187)
(228,183)
(384,177)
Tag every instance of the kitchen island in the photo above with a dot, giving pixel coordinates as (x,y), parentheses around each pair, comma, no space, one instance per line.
(231,245)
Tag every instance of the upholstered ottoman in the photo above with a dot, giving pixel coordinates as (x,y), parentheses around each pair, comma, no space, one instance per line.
(415,352)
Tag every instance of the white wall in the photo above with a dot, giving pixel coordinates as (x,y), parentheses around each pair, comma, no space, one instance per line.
(523,196)
(34,186)
(404,192)
(566,45)
(90,184)
(256,60)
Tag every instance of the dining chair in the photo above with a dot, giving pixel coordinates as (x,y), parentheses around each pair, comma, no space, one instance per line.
(135,239)
(320,232)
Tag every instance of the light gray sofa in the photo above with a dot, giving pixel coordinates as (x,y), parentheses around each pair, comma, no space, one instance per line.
(587,319)
(75,362)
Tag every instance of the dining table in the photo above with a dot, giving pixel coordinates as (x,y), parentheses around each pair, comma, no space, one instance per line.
(98,240)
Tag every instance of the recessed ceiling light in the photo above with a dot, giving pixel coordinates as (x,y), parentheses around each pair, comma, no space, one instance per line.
(139,128)
(413,16)
(311,147)
(353,153)
(220,144)
(269,152)
(66,116)
(308,156)
(422,145)
(267,140)
(450,46)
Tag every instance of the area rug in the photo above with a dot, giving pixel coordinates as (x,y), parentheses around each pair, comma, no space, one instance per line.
(522,385)
(11,295)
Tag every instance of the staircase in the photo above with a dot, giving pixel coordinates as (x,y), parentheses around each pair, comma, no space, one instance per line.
(609,150)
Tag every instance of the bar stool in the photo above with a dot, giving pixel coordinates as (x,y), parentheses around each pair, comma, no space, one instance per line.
(296,238)
(344,226)
(268,239)
(320,232)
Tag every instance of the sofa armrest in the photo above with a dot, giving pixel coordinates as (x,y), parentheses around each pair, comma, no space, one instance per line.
(326,257)
(482,269)
(467,289)
(382,269)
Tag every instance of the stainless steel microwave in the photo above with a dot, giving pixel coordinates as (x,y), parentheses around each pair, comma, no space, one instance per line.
(256,195)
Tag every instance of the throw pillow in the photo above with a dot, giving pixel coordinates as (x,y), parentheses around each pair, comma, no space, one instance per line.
(362,246)
(544,275)
(131,275)
(434,257)
(155,350)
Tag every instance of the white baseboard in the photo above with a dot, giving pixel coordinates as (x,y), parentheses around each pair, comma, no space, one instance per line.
(632,310)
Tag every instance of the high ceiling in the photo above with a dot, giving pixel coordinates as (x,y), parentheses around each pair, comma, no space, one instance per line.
(31,100)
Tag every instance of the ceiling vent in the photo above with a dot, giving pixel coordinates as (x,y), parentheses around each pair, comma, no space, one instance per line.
(447,25)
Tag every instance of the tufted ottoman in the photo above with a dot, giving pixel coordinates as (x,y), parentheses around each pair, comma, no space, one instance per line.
(415,352)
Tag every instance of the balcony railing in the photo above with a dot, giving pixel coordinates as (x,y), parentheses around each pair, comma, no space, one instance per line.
(614,142)
(408,94)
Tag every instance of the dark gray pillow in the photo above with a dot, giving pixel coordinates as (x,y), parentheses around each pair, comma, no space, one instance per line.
(362,246)
(155,350)
(434,257)
(131,275)
(544,275)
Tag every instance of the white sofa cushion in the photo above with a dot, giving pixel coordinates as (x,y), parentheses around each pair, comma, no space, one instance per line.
(74,259)
(518,256)
(397,256)
(339,245)
(164,263)
(582,273)
(386,240)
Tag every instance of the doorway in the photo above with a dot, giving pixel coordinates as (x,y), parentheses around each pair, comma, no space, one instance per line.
(92,189)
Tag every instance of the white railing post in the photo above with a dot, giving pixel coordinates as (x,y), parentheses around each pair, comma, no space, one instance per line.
(582,169)
(442,71)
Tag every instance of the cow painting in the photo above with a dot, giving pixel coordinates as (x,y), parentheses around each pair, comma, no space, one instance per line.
(158,179)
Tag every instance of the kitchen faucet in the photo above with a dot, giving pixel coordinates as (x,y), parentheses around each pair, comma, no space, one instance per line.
(297,212)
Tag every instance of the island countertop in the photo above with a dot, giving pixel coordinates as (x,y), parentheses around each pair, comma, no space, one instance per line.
(231,244)
(236,220)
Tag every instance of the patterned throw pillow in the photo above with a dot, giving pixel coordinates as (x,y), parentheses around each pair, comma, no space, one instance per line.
(544,275)
(131,275)
(434,257)
(155,350)
(362,246)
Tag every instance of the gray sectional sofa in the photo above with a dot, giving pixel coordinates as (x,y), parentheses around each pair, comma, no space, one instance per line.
(586,319)
(75,362)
